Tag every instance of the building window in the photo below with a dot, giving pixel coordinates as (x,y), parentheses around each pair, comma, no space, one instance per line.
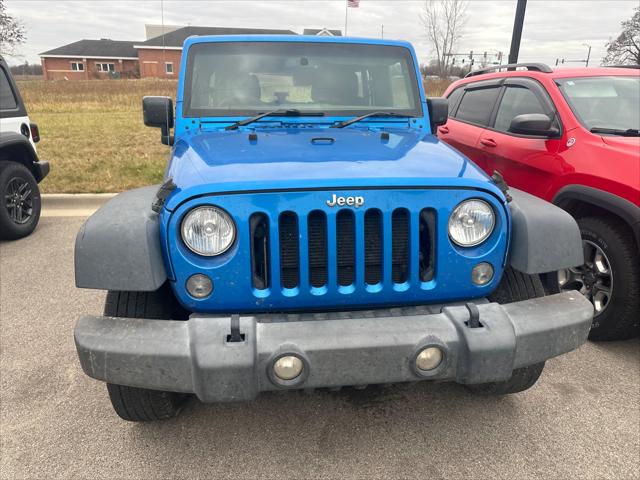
(168,68)
(106,67)
(77,66)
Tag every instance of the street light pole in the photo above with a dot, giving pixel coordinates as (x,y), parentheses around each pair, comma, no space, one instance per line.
(517,31)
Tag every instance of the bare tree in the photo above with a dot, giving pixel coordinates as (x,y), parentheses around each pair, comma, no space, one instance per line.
(443,21)
(12,32)
(625,49)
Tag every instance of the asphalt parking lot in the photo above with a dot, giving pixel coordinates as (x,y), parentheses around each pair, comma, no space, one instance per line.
(582,420)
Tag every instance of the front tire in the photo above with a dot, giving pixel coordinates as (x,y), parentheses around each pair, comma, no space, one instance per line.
(610,278)
(19,201)
(515,286)
(142,404)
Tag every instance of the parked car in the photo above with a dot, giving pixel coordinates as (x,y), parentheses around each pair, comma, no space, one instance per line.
(312,231)
(569,136)
(20,168)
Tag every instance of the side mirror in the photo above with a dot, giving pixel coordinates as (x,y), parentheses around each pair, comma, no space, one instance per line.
(537,124)
(158,112)
(438,112)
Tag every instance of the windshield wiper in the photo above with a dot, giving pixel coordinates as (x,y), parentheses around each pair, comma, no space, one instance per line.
(292,112)
(346,123)
(629,132)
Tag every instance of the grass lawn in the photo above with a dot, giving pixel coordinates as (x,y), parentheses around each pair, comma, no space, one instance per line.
(93,135)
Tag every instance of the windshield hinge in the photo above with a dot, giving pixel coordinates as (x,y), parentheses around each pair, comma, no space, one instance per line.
(498,179)
(163,192)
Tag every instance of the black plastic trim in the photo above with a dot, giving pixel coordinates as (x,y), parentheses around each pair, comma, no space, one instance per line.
(25,155)
(623,208)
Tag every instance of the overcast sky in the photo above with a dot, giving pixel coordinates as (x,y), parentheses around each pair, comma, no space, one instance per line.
(553,28)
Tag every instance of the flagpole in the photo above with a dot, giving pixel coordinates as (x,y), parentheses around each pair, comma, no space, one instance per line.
(346,10)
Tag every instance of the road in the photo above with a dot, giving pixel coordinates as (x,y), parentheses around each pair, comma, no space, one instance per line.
(582,420)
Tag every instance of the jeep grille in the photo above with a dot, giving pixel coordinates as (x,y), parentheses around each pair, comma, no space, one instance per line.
(347,250)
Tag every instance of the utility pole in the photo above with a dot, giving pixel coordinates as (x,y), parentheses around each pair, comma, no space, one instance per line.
(588,54)
(517,31)
(382,31)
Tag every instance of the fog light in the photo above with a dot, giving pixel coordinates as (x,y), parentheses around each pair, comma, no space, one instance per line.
(482,273)
(287,367)
(429,358)
(199,286)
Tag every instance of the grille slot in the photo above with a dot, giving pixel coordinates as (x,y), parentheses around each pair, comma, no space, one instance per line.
(373,246)
(345,246)
(342,248)
(317,232)
(400,245)
(289,250)
(427,244)
(259,232)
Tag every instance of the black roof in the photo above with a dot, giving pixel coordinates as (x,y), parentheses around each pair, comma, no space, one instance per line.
(315,31)
(96,48)
(177,37)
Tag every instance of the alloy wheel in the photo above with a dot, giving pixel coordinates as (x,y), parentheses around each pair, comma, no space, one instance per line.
(594,279)
(19,200)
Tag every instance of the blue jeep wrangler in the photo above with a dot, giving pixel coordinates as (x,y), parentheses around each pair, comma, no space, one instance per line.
(312,231)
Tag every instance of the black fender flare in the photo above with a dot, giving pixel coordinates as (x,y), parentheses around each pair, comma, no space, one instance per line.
(118,247)
(544,237)
(621,207)
(16,147)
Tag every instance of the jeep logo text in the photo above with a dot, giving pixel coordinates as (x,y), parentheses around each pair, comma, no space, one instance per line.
(342,201)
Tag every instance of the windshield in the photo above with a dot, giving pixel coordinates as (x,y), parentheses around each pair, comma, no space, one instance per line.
(604,102)
(247,78)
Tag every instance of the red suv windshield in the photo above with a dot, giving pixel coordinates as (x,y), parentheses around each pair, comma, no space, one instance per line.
(604,102)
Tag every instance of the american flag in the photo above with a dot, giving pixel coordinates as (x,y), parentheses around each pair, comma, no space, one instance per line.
(353,3)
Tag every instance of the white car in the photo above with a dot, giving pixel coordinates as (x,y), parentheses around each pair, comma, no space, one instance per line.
(20,168)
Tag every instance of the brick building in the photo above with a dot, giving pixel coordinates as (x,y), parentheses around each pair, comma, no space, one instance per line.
(91,59)
(156,57)
(160,56)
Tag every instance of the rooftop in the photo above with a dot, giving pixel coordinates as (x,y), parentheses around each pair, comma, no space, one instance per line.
(322,31)
(177,37)
(95,48)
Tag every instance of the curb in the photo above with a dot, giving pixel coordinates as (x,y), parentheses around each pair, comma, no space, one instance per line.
(72,204)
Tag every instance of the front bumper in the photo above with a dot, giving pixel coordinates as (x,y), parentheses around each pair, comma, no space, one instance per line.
(342,348)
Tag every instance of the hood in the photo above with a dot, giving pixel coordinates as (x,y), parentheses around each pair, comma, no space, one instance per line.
(629,145)
(229,161)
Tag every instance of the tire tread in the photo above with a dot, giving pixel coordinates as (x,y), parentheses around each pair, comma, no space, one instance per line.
(515,286)
(9,230)
(627,324)
(140,404)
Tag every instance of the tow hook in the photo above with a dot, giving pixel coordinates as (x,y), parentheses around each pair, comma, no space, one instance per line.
(235,336)
(474,316)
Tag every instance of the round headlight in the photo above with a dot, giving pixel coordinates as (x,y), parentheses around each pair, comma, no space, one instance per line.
(471,223)
(208,231)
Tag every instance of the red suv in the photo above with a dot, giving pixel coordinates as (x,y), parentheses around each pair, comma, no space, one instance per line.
(571,137)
